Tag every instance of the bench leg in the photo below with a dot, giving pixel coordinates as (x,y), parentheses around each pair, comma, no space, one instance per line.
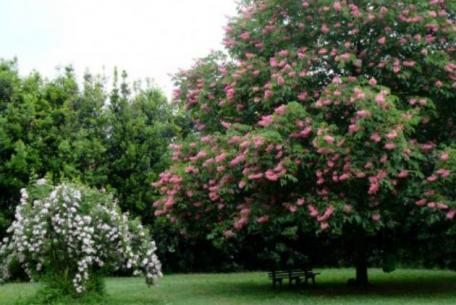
(313,281)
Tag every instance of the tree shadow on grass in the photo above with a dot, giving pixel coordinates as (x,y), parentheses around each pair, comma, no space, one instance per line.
(384,287)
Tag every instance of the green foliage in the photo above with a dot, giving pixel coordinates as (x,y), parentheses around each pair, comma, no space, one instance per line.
(140,128)
(61,128)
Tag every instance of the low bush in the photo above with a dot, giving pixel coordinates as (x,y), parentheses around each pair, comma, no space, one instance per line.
(70,235)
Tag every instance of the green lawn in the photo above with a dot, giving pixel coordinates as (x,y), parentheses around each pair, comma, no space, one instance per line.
(399,288)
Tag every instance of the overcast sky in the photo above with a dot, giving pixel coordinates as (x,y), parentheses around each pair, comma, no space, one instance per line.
(148,38)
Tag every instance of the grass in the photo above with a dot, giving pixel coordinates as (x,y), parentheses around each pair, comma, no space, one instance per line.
(401,287)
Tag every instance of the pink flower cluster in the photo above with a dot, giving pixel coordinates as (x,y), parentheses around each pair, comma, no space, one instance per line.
(321,218)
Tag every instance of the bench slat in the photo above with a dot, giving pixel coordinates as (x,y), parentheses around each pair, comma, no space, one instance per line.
(296,275)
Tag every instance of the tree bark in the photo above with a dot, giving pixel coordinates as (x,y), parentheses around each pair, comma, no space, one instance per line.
(362,279)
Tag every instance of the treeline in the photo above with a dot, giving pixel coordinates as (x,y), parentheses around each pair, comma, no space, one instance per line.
(106,135)
(114,135)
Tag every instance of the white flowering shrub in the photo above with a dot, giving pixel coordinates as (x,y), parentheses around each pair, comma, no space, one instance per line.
(72,234)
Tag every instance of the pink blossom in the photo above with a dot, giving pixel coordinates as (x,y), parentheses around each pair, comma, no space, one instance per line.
(421,202)
(327,214)
(242,184)
(300,201)
(271,175)
(266,120)
(403,174)
(263,219)
(237,160)
(396,67)
(302,96)
(376,137)
(390,146)
(280,110)
(273,62)
(427,147)
(376,217)
(245,36)
(372,82)
(305,132)
(283,53)
(344,177)
(450,215)
(382,40)
(220,157)
(228,234)
(169,202)
(201,154)
(280,80)
(292,208)
(409,63)
(269,148)
(373,188)
(206,139)
(229,92)
(380,98)
(191,169)
(442,206)
(348,208)
(245,212)
(324,28)
(444,156)
(443,172)
(431,178)
(359,94)
(337,6)
(363,113)
(329,139)
(312,210)
(159,212)
(360,175)
(429,193)
(392,135)
(234,140)
(225,124)
(256,176)
(432,205)
(345,56)
(355,10)
(324,226)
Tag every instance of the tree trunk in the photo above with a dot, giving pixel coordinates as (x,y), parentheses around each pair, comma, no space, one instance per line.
(361,259)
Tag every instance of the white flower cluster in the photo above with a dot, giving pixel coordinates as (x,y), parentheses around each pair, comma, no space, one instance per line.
(77,231)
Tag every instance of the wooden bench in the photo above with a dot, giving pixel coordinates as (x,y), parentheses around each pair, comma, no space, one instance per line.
(296,276)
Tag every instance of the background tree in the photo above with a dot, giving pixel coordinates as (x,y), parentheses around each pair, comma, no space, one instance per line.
(23,114)
(79,130)
(328,116)
(140,128)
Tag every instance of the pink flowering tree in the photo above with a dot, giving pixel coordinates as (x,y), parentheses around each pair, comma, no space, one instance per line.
(335,114)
